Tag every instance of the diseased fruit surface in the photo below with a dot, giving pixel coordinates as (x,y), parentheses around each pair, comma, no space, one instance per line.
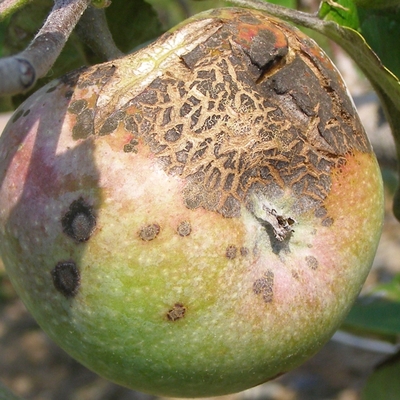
(196,218)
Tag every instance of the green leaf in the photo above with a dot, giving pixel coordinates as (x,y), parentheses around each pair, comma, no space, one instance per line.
(390,290)
(375,316)
(381,30)
(344,12)
(384,383)
(132,23)
(376,3)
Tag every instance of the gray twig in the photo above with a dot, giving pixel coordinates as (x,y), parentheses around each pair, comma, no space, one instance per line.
(92,28)
(19,73)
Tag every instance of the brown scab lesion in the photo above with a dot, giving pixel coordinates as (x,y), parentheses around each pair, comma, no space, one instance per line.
(244,251)
(231,252)
(327,222)
(79,222)
(312,262)
(184,228)
(178,311)
(84,126)
(66,278)
(265,286)
(149,232)
(131,147)
(78,106)
(235,121)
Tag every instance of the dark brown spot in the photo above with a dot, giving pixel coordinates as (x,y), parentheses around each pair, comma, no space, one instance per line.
(84,126)
(131,147)
(244,251)
(231,252)
(79,221)
(327,222)
(312,262)
(17,116)
(77,106)
(264,286)
(149,232)
(111,123)
(26,113)
(52,89)
(184,228)
(173,134)
(177,312)
(66,278)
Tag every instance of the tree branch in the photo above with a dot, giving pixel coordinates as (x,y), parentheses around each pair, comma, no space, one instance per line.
(20,72)
(93,30)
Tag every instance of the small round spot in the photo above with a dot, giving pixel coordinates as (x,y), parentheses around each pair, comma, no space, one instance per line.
(177,312)
(184,228)
(149,232)
(327,222)
(66,278)
(244,251)
(79,222)
(312,262)
(231,252)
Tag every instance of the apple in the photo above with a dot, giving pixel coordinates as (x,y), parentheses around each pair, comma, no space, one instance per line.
(198,217)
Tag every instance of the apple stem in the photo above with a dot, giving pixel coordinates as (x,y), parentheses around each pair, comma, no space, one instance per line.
(281,226)
(93,30)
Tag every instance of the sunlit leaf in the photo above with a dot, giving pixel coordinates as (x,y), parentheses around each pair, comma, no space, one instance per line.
(344,12)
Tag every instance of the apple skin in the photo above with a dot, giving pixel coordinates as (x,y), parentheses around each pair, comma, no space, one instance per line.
(198,217)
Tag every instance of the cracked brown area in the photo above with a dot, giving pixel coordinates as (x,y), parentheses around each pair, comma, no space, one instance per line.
(251,109)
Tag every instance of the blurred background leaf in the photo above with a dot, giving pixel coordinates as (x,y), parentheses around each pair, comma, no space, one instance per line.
(376,316)
(384,383)
(132,23)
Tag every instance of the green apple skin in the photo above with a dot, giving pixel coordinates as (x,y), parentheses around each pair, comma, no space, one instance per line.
(183,223)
